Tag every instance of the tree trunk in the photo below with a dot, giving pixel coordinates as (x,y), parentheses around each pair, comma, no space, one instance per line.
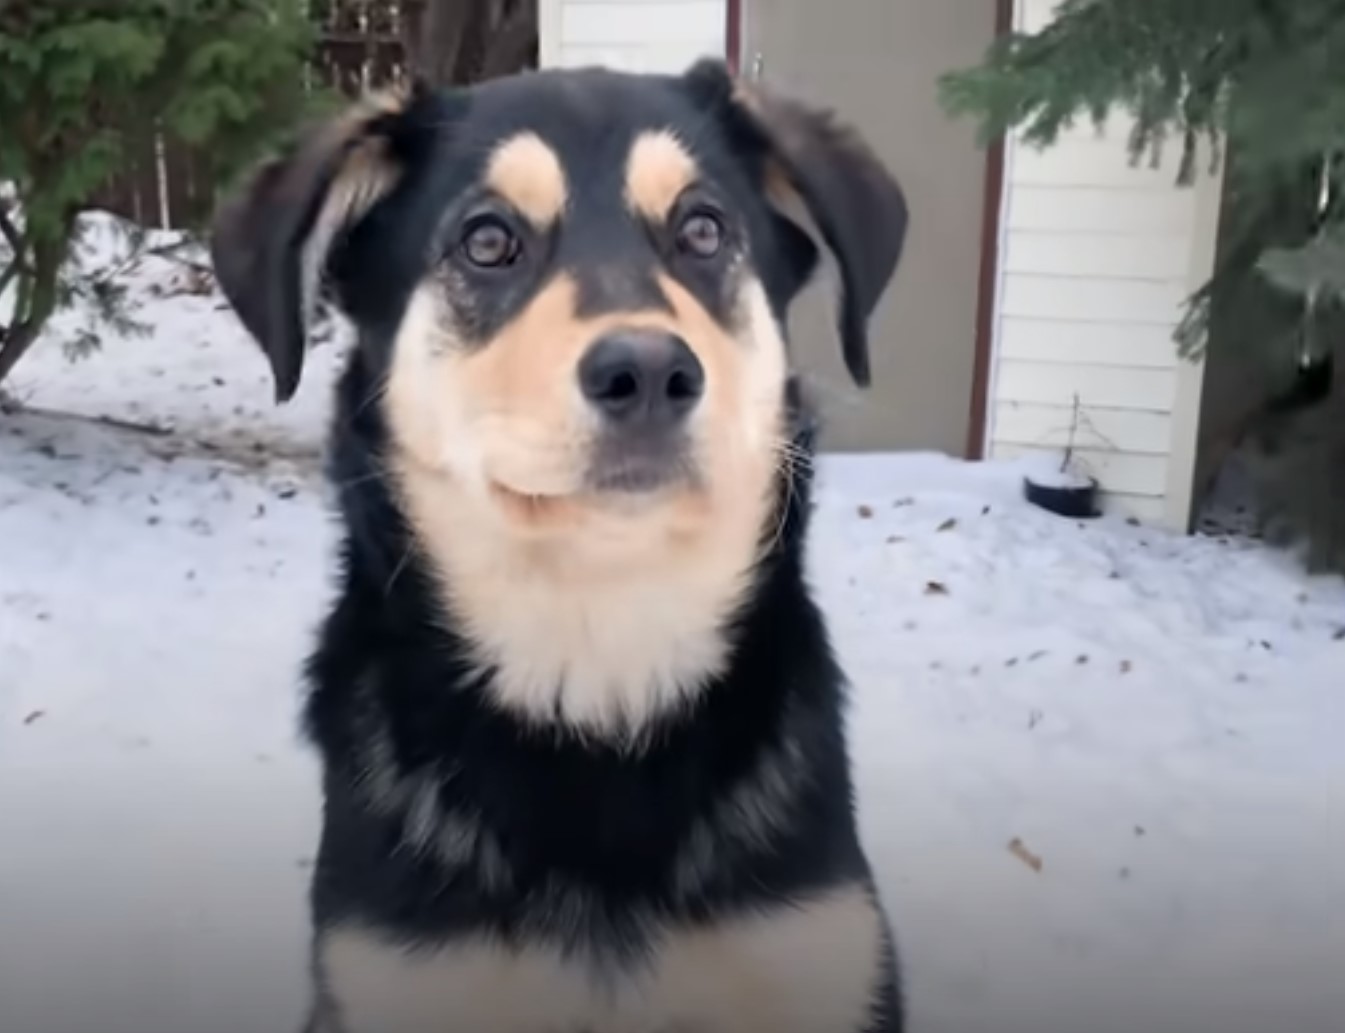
(463,41)
(36,303)
(444,25)
(514,45)
(13,345)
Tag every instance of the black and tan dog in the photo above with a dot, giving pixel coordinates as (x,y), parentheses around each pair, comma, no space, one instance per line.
(582,729)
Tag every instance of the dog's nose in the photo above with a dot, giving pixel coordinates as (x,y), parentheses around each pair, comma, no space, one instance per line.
(642,377)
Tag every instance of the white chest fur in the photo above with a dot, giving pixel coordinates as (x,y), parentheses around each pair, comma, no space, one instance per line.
(810,968)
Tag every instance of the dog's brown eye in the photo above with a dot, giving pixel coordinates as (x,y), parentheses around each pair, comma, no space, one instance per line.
(489,243)
(701,234)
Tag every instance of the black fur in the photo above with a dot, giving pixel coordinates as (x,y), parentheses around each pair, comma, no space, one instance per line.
(592,834)
(444,814)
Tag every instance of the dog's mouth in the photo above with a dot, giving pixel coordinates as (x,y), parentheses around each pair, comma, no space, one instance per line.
(625,472)
(640,466)
(522,502)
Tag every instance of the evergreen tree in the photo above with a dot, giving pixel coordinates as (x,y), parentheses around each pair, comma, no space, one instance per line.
(84,83)
(1262,80)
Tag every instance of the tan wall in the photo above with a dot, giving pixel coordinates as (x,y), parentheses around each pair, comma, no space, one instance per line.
(877,63)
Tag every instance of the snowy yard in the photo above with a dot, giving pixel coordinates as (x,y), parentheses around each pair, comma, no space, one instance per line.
(1154,723)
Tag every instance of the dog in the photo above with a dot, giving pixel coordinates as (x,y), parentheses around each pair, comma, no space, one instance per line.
(582,730)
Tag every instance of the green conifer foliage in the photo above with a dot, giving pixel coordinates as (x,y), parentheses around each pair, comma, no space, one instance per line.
(84,82)
(1262,80)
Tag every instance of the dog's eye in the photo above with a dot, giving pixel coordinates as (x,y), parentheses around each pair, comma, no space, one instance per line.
(489,243)
(701,234)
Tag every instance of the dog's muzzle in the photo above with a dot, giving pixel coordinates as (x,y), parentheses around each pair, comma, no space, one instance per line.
(644,384)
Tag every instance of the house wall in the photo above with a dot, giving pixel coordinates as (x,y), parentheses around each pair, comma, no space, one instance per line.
(1096,260)
(636,35)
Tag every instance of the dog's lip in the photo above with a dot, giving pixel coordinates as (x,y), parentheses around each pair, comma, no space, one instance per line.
(548,508)
(501,487)
(633,479)
(521,497)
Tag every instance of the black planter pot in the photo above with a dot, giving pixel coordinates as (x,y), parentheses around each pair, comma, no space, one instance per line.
(1079,502)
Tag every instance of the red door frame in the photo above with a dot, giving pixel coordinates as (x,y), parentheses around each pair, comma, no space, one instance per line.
(733,34)
(988,289)
(992,201)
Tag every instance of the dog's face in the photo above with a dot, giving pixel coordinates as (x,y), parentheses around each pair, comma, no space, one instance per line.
(575,282)
(570,289)
(592,338)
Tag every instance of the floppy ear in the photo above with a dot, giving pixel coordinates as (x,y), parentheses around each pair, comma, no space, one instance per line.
(856,205)
(270,239)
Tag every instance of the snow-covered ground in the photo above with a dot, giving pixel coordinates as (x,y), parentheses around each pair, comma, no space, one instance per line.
(1100,767)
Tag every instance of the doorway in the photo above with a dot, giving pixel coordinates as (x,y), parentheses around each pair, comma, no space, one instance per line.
(876,63)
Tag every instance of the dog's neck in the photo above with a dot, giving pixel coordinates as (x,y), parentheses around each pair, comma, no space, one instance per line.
(552,637)
(555,636)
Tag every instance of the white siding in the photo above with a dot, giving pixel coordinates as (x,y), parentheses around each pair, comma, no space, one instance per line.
(1097,256)
(634,35)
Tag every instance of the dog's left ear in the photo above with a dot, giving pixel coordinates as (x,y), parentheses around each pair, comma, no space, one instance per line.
(856,204)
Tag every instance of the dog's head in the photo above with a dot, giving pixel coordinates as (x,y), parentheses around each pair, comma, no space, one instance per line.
(570,289)
(572,283)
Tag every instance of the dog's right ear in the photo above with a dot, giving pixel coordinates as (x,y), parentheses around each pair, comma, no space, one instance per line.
(270,240)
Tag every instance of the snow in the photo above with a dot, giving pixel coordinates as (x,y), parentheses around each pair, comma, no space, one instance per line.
(1154,720)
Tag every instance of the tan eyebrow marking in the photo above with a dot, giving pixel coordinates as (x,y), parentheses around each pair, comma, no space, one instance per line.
(527,173)
(658,169)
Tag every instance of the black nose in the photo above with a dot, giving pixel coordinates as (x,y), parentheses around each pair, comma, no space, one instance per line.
(642,377)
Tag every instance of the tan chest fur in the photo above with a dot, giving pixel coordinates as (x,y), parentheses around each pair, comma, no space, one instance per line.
(809,968)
